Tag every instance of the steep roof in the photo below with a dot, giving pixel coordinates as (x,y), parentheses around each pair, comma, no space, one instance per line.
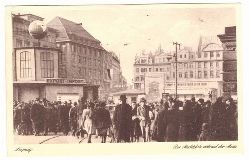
(67,28)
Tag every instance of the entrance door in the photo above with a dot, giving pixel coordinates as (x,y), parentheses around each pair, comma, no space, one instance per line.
(74,97)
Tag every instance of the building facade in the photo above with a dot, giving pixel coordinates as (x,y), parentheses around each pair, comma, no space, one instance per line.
(198,73)
(67,64)
(228,40)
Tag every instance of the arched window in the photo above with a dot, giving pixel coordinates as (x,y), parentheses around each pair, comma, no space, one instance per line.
(25,64)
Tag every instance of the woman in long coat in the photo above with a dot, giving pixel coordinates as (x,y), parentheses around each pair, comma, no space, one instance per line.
(87,117)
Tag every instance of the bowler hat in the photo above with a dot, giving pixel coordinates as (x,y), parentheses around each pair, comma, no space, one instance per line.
(123,96)
(142,99)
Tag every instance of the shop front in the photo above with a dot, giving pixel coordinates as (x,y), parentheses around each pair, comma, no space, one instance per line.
(55,90)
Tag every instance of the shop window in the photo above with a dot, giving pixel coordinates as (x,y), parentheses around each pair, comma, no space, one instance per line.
(47,65)
(25,64)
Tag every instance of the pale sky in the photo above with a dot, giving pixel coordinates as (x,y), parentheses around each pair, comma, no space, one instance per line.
(142,27)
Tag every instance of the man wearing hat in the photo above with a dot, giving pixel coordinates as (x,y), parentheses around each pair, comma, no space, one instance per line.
(143,114)
(123,120)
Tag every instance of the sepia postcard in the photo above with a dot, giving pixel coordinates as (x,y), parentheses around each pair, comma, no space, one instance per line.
(124,79)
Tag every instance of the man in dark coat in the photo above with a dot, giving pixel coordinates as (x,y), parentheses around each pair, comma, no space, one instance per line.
(123,120)
(103,121)
(159,131)
(230,119)
(37,116)
(218,120)
(73,118)
(173,123)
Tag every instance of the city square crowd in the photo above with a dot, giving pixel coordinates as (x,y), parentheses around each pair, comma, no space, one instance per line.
(169,120)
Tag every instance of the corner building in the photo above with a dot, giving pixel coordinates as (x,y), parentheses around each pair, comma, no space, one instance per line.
(198,72)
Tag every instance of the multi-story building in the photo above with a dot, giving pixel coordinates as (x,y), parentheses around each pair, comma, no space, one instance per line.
(198,73)
(118,82)
(228,40)
(68,63)
(82,55)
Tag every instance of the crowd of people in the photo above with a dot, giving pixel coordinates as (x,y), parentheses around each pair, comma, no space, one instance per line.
(170,120)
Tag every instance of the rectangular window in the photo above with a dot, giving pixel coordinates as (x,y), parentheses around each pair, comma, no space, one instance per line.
(205,74)
(161,70)
(205,54)
(199,74)
(173,74)
(211,64)
(186,74)
(191,74)
(199,55)
(47,65)
(211,74)
(156,69)
(199,64)
(212,54)
(205,64)
(25,64)
(217,64)
(180,75)
(137,70)
(217,74)
(149,69)
(19,43)
(217,54)
(137,78)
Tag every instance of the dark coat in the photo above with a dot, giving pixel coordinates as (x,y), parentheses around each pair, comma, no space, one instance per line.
(136,130)
(123,122)
(103,119)
(159,130)
(173,125)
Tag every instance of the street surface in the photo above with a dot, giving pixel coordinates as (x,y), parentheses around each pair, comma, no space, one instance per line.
(56,139)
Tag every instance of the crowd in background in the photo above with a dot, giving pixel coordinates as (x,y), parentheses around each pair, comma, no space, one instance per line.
(169,120)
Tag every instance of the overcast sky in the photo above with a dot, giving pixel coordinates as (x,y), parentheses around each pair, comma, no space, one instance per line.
(142,26)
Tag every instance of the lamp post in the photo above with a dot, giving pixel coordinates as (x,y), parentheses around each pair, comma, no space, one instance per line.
(176,44)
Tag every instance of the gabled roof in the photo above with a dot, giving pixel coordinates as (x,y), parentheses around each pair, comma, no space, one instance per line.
(67,28)
(212,47)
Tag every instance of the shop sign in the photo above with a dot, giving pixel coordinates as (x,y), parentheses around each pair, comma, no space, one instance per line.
(66,81)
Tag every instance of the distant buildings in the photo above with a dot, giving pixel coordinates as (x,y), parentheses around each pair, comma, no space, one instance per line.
(79,66)
(200,73)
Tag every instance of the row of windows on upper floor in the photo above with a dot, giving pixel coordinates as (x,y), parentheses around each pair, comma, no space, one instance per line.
(209,54)
(27,43)
(200,74)
(87,51)
(180,66)
(47,67)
